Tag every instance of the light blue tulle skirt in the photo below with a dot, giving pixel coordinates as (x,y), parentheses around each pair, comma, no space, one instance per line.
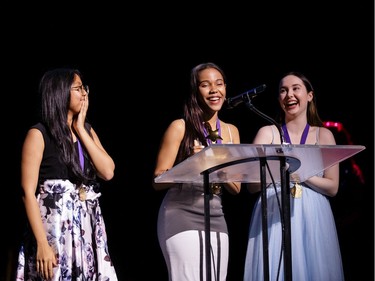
(315,247)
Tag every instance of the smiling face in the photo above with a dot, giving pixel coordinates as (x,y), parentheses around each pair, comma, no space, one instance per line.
(293,95)
(212,88)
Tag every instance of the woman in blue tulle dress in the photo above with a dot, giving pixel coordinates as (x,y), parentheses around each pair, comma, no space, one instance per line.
(315,247)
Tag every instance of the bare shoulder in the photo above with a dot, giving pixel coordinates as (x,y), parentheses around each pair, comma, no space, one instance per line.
(175,130)
(34,134)
(266,135)
(231,126)
(235,134)
(267,129)
(34,141)
(178,124)
(326,136)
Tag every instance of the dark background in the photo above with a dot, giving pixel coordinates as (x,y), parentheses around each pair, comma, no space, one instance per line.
(137,61)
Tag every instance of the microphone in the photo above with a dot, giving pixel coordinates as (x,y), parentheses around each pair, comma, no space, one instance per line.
(233,102)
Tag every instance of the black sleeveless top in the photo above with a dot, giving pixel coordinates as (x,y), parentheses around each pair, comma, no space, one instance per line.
(52,165)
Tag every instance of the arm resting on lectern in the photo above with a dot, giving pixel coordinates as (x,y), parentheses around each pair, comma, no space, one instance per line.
(233,187)
(161,186)
(328,184)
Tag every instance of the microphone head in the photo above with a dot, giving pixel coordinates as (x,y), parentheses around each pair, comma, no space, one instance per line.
(233,102)
(260,88)
(244,97)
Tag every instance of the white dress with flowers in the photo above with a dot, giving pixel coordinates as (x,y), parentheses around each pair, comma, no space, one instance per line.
(74,226)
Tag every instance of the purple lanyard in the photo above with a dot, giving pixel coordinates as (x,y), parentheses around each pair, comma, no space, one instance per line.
(80,153)
(303,137)
(218,128)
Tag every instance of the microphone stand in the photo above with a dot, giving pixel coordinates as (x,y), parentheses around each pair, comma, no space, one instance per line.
(252,108)
(285,201)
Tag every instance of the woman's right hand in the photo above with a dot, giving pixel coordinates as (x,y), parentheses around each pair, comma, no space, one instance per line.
(197,146)
(45,261)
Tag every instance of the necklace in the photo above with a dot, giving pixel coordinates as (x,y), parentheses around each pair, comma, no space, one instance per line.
(82,190)
(303,137)
(80,152)
(213,136)
(296,190)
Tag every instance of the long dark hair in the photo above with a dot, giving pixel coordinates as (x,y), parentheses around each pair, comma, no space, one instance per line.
(193,112)
(313,118)
(54,88)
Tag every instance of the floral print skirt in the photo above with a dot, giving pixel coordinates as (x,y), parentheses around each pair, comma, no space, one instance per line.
(75,229)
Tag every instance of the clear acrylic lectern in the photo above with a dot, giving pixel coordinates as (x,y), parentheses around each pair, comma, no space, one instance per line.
(246,163)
